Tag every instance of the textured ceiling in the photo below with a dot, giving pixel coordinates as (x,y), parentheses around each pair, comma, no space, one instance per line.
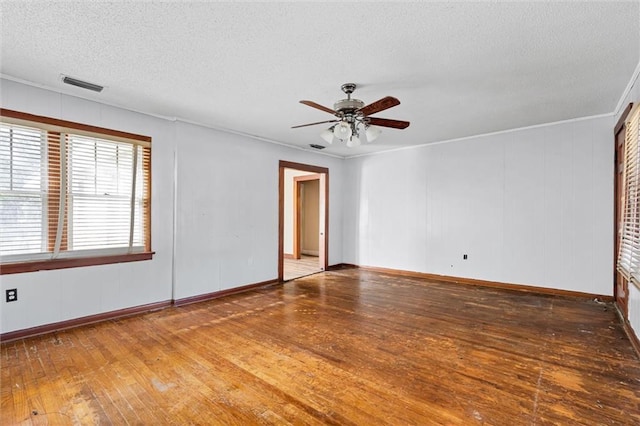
(459,69)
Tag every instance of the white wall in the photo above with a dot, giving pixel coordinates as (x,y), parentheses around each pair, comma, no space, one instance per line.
(227,216)
(633,95)
(532,207)
(289,174)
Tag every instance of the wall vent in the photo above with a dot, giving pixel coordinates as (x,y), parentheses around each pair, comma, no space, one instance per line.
(313,145)
(79,83)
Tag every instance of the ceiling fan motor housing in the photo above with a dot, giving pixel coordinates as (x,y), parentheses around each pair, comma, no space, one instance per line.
(348,106)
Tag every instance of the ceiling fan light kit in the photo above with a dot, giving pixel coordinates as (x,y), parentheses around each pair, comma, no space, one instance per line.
(342,130)
(372,132)
(327,134)
(353,116)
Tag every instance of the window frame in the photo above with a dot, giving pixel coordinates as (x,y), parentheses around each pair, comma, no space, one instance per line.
(52,126)
(628,250)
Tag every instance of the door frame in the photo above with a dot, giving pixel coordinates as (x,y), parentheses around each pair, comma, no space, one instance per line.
(621,300)
(297,210)
(324,199)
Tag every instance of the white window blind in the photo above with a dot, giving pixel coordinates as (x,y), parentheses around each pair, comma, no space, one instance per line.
(64,194)
(22,190)
(100,190)
(629,252)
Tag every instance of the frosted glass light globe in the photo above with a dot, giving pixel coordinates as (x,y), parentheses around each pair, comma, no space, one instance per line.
(342,130)
(372,133)
(327,135)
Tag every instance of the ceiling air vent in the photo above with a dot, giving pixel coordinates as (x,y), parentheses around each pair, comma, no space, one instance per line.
(83,84)
(313,145)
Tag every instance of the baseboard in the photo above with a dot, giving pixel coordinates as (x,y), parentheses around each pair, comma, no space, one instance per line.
(287,256)
(339,266)
(315,253)
(635,343)
(492,284)
(76,322)
(121,313)
(63,325)
(626,326)
(222,293)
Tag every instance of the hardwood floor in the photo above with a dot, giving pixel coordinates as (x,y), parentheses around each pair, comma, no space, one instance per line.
(341,347)
(296,268)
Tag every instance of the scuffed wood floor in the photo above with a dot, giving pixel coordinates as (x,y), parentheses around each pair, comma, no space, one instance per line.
(343,347)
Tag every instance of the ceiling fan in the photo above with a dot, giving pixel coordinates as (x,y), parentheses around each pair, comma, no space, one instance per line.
(352,115)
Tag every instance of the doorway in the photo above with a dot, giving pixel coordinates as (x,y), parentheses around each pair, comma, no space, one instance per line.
(303,220)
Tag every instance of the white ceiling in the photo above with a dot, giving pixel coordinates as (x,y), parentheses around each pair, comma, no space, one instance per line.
(459,69)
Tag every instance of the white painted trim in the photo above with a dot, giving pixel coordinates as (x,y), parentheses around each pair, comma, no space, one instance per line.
(499,132)
(260,138)
(75,95)
(627,90)
(174,221)
(163,117)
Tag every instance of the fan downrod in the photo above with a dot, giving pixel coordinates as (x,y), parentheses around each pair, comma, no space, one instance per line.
(348,107)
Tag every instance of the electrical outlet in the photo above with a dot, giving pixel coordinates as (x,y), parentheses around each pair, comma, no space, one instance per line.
(12,295)
(464,257)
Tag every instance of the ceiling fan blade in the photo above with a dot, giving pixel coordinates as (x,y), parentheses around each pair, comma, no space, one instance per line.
(385,122)
(318,106)
(380,105)
(313,124)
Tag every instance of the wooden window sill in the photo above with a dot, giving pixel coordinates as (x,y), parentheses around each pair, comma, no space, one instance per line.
(46,265)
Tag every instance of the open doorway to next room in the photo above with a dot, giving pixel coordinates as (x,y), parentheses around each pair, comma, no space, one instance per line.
(303,220)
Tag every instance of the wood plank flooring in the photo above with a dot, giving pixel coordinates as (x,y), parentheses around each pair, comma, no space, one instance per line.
(345,347)
(296,268)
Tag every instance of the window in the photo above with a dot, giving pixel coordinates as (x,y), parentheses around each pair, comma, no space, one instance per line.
(629,250)
(70,191)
